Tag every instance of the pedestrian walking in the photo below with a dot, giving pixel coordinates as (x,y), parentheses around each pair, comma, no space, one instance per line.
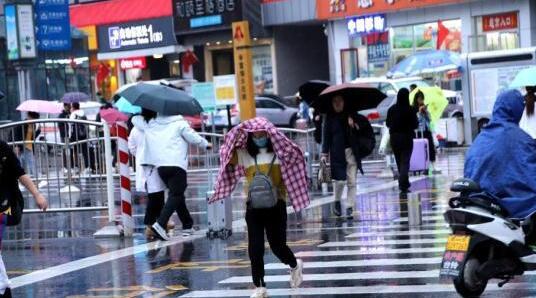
(402,122)
(147,180)
(425,128)
(11,173)
(64,131)
(342,133)
(79,134)
(274,168)
(166,148)
(25,152)
(528,121)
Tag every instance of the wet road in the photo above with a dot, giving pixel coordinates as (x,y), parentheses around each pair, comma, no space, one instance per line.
(376,254)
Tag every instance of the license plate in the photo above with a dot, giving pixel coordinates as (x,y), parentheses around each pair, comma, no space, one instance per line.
(458,243)
(455,254)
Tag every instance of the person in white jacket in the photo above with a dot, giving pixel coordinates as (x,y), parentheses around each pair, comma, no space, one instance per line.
(147,181)
(528,120)
(166,148)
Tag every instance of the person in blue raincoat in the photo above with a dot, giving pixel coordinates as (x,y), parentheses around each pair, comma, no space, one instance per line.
(502,159)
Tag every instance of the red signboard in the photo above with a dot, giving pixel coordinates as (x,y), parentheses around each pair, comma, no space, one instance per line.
(133,63)
(336,9)
(497,22)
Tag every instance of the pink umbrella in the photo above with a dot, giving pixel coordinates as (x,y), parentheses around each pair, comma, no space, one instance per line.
(40,106)
(112,116)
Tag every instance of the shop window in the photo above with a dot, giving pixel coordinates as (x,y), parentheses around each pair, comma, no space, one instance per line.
(263,75)
(496,32)
(349,64)
(223,62)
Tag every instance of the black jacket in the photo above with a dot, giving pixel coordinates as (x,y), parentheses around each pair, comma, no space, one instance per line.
(338,136)
(10,172)
(19,134)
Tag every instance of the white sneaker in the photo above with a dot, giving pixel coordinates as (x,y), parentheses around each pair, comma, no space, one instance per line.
(260,292)
(296,274)
(187,232)
(160,233)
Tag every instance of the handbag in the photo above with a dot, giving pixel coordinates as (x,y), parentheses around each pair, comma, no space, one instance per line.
(324,173)
(385,143)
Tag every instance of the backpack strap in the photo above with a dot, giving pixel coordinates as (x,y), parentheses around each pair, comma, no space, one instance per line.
(258,171)
(271,166)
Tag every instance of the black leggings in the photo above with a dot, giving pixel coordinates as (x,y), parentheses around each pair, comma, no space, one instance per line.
(155,204)
(431,147)
(176,181)
(274,221)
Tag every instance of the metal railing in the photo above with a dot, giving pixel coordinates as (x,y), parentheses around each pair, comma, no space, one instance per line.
(74,172)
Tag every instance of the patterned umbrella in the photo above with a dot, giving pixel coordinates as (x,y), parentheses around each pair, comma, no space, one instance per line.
(72,97)
(426,62)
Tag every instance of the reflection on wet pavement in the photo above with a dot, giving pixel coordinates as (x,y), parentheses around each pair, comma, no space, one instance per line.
(391,248)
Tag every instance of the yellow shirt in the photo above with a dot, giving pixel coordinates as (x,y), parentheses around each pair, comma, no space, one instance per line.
(264,158)
(29,138)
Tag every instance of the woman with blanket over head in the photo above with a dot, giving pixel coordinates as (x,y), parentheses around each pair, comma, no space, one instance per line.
(253,147)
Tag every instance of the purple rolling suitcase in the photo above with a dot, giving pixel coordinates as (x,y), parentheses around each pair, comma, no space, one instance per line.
(420,161)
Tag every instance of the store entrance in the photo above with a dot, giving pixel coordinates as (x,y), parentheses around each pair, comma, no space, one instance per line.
(223,62)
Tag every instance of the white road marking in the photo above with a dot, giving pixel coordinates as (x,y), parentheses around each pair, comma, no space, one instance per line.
(400,233)
(364,251)
(360,263)
(381,242)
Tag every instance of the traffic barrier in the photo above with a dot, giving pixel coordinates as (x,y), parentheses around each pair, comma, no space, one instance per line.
(124,172)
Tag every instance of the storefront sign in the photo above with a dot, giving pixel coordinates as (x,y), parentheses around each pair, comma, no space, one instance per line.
(205,95)
(497,22)
(203,15)
(378,47)
(366,24)
(25,20)
(244,69)
(133,63)
(10,12)
(145,34)
(53,25)
(336,9)
(225,90)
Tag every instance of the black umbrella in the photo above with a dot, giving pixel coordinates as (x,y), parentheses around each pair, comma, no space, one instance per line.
(357,97)
(310,91)
(162,99)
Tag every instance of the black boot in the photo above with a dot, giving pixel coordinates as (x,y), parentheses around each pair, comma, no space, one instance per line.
(349,213)
(337,209)
(7,293)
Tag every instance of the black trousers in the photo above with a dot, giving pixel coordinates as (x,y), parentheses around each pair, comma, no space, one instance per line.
(402,145)
(431,147)
(155,204)
(274,222)
(176,181)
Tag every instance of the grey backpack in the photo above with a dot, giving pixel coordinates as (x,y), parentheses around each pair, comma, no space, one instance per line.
(261,192)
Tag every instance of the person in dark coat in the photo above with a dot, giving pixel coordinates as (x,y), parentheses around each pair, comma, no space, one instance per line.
(402,122)
(340,142)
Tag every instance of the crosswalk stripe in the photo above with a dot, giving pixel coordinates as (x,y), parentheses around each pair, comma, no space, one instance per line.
(360,263)
(357,290)
(382,242)
(424,218)
(400,233)
(382,275)
(369,251)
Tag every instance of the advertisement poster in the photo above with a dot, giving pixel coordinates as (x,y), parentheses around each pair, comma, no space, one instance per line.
(487,83)
(10,11)
(25,20)
(53,25)
(205,95)
(225,90)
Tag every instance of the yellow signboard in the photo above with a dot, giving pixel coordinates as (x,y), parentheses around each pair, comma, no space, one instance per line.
(244,70)
(91,32)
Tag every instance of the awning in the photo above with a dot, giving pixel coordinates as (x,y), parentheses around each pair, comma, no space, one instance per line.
(140,53)
(118,11)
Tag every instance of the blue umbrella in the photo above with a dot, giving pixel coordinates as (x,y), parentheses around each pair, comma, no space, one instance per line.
(125,106)
(525,78)
(426,62)
(72,97)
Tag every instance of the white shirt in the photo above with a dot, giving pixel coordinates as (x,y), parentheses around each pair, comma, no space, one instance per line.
(528,124)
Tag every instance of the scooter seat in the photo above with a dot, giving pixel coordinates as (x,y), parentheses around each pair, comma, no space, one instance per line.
(465,186)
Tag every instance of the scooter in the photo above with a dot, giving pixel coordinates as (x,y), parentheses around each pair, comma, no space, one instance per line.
(484,243)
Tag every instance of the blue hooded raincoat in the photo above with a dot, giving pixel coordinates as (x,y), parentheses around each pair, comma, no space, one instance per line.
(503,158)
